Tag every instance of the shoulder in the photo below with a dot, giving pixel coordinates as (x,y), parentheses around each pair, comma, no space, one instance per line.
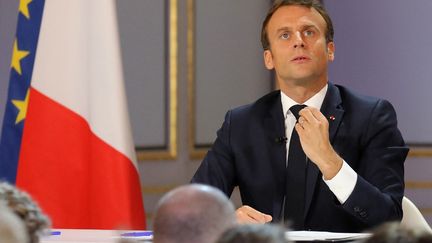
(349,95)
(351,99)
(260,107)
(366,111)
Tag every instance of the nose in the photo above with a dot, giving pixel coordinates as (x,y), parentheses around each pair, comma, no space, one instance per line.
(298,41)
(299,45)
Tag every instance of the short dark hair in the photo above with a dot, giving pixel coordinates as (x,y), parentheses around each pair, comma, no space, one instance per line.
(316,4)
(394,232)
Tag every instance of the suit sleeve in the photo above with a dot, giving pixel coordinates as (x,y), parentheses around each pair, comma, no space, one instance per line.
(218,169)
(377,195)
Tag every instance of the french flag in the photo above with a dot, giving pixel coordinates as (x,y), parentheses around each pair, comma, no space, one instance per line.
(66,136)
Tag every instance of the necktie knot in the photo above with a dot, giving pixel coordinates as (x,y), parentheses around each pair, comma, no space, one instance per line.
(295,109)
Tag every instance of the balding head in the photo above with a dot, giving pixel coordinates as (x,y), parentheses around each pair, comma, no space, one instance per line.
(192,213)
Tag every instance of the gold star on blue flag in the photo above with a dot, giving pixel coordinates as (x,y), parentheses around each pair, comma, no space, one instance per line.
(23,8)
(25,44)
(17,56)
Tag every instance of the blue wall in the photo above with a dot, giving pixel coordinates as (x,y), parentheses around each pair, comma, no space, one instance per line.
(384,49)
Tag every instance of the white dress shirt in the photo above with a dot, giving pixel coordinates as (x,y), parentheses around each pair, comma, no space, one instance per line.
(342,185)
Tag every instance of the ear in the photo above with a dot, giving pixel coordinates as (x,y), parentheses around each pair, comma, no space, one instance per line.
(268,59)
(330,51)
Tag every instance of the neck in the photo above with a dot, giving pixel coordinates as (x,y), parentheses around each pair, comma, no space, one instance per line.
(300,92)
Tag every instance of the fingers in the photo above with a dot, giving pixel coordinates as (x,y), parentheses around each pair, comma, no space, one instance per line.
(301,121)
(313,131)
(246,214)
(318,115)
(310,116)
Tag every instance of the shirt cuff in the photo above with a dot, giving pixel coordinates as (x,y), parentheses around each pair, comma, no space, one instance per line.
(342,185)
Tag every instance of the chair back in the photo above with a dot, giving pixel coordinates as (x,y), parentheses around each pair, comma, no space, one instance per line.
(412,217)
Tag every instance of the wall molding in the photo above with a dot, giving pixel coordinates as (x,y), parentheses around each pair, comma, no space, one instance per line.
(418,184)
(420,152)
(195,151)
(169,151)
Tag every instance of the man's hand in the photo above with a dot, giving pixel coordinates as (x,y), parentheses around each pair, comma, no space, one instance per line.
(313,131)
(247,215)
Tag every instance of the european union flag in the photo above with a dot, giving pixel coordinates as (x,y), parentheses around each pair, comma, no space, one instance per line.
(23,56)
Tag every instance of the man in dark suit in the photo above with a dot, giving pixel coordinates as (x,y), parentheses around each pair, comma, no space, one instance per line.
(345,174)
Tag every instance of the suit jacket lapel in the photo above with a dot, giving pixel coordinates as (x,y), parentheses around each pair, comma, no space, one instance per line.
(274,125)
(333,111)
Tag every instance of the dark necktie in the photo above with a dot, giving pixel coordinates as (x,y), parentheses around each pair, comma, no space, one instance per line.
(295,178)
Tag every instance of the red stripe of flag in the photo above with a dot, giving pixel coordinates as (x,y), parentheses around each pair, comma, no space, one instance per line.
(78,179)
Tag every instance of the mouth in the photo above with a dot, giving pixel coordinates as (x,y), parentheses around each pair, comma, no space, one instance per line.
(300,59)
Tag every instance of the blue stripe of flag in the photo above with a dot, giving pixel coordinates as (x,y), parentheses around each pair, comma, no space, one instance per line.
(26,36)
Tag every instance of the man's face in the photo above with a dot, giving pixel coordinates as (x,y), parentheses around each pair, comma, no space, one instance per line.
(298,49)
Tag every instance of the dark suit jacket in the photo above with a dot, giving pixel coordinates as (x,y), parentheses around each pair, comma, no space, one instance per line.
(364,133)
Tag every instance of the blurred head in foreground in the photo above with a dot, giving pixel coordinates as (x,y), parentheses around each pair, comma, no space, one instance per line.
(20,203)
(393,232)
(254,233)
(192,213)
(12,229)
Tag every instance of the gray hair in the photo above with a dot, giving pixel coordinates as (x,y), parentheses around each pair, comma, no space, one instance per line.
(12,229)
(19,202)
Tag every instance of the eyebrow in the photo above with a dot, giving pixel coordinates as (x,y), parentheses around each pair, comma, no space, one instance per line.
(283,29)
(303,27)
(308,26)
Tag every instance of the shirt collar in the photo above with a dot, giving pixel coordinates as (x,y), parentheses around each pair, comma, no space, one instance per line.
(315,101)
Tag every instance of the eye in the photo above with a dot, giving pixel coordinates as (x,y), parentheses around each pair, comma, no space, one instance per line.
(285,36)
(308,33)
